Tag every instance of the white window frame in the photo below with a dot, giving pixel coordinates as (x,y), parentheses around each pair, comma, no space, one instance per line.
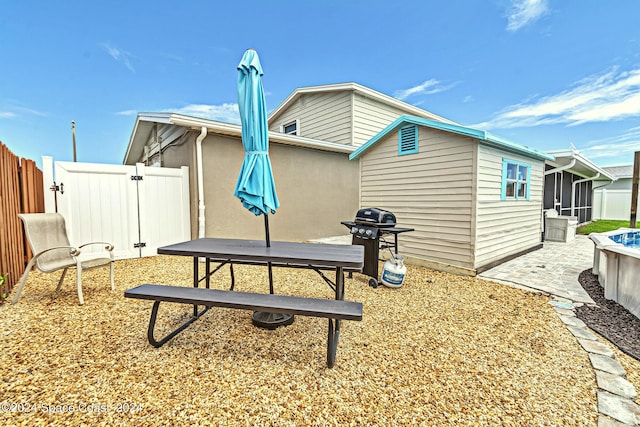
(295,122)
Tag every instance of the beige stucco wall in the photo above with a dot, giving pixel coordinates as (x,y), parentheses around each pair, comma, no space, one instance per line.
(317,189)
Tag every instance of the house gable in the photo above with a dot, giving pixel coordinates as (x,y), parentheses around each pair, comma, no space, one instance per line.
(346,113)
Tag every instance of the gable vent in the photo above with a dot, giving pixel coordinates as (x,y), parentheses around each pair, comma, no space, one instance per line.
(408,140)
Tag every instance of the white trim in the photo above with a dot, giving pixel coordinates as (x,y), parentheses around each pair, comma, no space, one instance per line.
(580,158)
(196,123)
(362,90)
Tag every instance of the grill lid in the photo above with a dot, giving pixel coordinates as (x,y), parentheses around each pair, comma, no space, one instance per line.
(375,217)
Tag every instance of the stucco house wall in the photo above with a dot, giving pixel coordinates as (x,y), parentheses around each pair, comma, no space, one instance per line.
(317,187)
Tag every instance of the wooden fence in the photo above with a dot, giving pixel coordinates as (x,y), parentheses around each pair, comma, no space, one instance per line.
(21,191)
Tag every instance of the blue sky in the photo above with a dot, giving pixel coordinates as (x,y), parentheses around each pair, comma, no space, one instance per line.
(542,73)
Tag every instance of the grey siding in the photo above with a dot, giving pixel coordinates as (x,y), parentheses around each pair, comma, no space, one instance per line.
(430,191)
(325,116)
(505,227)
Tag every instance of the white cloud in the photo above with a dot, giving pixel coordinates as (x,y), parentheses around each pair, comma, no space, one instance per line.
(225,113)
(524,12)
(610,96)
(428,87)
(119,55)
(616,146)
(126,113)
(17,112)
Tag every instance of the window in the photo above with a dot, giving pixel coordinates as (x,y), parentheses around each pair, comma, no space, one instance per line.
(515,180)
(408,140)
(290,128)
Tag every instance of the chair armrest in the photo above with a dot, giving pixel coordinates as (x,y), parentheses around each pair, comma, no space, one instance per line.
(72,250)
(107,246)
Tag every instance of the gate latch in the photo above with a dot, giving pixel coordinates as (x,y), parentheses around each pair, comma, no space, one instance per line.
(59,188)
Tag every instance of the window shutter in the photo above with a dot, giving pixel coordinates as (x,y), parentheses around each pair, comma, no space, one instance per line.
(408,140)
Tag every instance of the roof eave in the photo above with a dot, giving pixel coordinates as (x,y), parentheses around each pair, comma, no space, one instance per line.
(573,154)
(482,136)
(196,123)
(363,90)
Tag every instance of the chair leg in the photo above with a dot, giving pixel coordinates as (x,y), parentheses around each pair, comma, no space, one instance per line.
(23,280)
(80,297)
(111,267)
(64,273)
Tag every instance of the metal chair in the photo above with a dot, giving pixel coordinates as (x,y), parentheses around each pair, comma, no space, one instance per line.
(47,237)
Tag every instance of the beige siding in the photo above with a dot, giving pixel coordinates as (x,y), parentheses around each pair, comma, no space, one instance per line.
(323,116)
(504,227)
(370,117)
(430,191)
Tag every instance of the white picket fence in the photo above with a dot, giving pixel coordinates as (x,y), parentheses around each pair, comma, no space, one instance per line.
(137,208)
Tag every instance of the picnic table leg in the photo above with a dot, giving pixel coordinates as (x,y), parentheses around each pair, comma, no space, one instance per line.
(332,341)
(334,328)
(152,324)
(196,278)
(339,283)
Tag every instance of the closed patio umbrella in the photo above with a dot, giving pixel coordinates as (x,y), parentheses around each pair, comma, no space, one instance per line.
(255,186)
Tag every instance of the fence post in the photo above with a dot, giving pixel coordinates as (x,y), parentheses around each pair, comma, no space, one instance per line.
(634,189)
(47,179)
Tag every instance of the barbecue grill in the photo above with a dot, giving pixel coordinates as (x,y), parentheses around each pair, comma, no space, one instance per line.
(368,229)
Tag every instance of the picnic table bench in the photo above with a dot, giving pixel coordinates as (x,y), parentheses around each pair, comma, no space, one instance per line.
(334,310)
(280,254)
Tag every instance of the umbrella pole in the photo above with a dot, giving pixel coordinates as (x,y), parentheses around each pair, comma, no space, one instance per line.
(268,239)
(268,320)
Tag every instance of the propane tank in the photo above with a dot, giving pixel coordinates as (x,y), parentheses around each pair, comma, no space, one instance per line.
(393,272)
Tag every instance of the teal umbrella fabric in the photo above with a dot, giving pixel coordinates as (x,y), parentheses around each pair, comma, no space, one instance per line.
(255,186)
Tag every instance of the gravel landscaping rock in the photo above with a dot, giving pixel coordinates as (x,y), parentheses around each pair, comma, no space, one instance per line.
(442,350)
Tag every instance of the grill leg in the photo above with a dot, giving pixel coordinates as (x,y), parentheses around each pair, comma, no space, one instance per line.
(371,255)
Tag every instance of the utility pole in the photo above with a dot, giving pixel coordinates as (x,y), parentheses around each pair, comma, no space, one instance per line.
(634,189)
(73,134)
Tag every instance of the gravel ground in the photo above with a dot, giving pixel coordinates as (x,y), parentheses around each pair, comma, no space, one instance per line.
(609,318)
(442,350)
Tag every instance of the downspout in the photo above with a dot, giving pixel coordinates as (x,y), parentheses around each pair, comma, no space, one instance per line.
(573,190)
(201,222)
(561,168)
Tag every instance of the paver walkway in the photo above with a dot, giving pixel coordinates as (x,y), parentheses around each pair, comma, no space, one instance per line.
(554,269)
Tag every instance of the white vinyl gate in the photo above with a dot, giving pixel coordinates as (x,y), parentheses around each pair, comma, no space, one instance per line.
(137,208)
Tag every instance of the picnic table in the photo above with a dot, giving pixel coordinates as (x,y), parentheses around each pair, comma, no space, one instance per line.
(316,256)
